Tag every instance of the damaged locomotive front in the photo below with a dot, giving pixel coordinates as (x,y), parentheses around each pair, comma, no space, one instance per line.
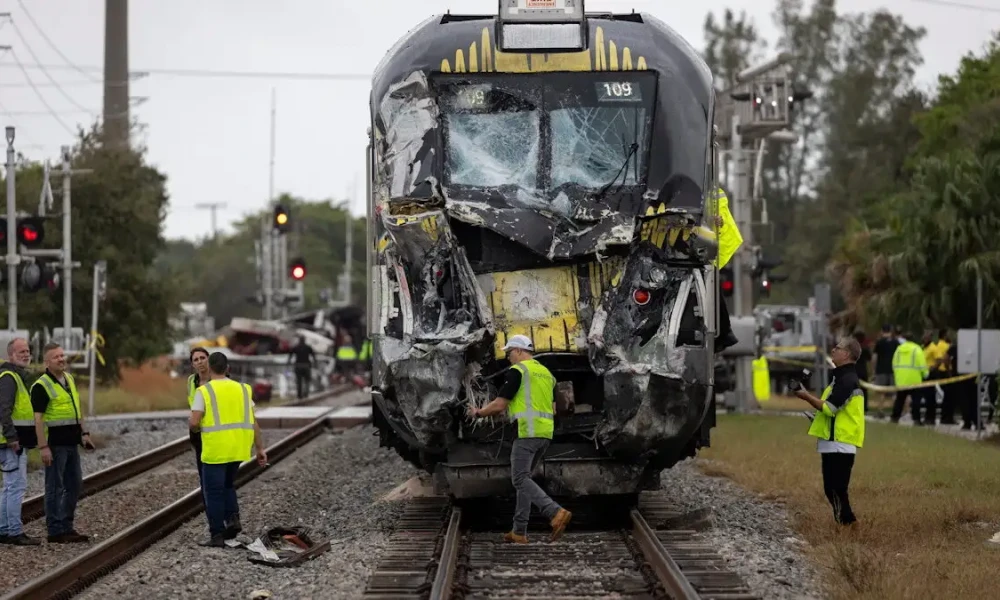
(552,195)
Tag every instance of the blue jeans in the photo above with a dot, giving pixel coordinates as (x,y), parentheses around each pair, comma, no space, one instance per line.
(63,481)
(219,489)
(15,483)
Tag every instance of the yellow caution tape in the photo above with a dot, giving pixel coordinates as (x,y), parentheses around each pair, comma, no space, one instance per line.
(789,348)
(799,363)
(925,384)
(97,342)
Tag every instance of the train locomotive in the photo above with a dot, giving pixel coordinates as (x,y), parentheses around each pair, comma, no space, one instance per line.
(543,172)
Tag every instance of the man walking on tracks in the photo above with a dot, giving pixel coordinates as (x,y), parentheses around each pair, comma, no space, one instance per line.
(57,409)
(222,411)
(17,435)
(839,425)
(304,357)
(528,396)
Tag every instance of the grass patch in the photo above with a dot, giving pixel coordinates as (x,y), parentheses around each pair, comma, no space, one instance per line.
(147,388)
(926,503)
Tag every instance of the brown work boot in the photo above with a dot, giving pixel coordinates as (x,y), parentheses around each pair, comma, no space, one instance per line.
(513,538)
(559,523)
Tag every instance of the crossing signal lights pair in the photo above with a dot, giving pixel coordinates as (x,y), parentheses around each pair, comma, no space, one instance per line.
(30,231)
(297,269)
(35,277)
(282,221)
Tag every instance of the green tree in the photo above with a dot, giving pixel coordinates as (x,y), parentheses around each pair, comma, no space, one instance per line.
(117,215)
(731,46)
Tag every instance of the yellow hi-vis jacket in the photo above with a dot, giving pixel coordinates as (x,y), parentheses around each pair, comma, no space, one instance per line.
(761,380)
(23,415)
(729,238)
(846,424)
(347,352)
(533,406)
(64,406)
(227,424)
(909,365)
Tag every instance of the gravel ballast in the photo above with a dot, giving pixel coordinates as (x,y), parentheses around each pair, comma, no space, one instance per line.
(753,535)
(121,441)
(332,486)
(105,514)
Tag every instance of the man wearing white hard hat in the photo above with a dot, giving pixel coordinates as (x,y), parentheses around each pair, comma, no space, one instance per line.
(528,396)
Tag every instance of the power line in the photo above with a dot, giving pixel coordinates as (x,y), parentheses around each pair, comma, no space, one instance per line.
(27,46)
(41,32)
(217,74)
(41,98)
(952,4)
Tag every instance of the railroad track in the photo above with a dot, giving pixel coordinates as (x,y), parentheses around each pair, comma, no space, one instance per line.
(103,558)
(648,551)
(34,507)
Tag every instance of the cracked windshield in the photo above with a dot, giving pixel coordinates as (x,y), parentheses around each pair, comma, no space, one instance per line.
(506,138)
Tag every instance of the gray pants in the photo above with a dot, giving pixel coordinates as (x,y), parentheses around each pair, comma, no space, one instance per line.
(63,480)
(524,457)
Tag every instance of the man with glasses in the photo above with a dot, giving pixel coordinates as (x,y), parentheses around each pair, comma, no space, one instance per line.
(840,426)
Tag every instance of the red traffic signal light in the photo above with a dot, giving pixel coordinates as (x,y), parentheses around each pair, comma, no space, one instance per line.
(30,232)
(297,269)
(726,282)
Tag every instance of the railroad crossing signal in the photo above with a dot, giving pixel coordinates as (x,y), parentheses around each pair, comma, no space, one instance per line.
(282,221)
(35,277)
(726,281)
(30,231)
(297,269)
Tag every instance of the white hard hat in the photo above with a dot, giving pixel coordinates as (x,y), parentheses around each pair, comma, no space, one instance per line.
(521,342)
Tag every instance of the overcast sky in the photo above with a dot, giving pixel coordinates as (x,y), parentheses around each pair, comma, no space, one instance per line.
(210,135)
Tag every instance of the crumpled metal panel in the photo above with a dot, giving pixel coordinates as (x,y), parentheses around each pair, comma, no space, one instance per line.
(408,119)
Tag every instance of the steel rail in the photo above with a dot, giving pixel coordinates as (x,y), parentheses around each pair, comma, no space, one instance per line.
(444,578)
(34,507)
(667,570)
(86,568)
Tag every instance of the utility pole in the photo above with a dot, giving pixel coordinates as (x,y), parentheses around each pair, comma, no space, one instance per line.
(755,110)
(12,257)
(212,207)
(116,78)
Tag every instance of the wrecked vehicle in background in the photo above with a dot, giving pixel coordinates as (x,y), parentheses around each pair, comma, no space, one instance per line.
(553,195)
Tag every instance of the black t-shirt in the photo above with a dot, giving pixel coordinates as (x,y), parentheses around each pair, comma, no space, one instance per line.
(303,354)
(59,435)
(511,384)
(884,349)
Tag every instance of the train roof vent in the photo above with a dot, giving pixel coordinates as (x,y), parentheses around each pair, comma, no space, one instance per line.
(450,18)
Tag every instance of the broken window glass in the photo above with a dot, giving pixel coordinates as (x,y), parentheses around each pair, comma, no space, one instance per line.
(493,149)
(591,144)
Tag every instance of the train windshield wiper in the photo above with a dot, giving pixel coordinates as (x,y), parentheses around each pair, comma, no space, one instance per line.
(622,170)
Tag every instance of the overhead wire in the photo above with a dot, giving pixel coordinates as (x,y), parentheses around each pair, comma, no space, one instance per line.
(297,75)
(40,96)
(52,45)
(27,46)
(965,5)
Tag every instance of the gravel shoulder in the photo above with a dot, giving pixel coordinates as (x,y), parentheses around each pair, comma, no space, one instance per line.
(105,514)
(752,534)
(332,486)
(124,439)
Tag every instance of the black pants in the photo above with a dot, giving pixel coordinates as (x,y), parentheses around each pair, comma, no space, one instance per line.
(836,479)
(725,326)
(303,375)
(196,444)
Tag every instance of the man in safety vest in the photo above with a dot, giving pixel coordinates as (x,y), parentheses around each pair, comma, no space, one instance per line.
(223,412)
(57,409)
(346,357)
(528,397)
(839,425)
(909,367)
(729,240)
(17,435)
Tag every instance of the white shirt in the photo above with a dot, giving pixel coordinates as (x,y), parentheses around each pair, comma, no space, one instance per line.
(828,447)
(198,403)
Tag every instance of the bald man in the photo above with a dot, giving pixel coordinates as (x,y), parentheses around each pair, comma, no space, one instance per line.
(17,435)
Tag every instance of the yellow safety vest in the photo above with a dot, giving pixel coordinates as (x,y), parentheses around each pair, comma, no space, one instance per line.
(847,424)
(366,350)
(909,366)
(761,380)
(64,407)
(347,352)
(192,388)
(227,425)
(533,405)
(23,415)
(730,239)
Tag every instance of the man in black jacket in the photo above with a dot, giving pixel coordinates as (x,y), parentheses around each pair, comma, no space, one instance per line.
(17,435)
